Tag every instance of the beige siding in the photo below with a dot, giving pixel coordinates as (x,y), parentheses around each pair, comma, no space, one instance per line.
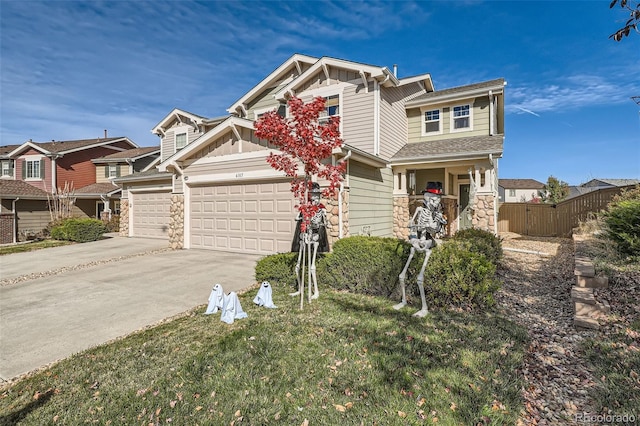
(264,100)
(480,121)
(168,141)
(370,200)
(336,75)
(100,172)
(393,121)
(178,185)
(233,166)
(357,113)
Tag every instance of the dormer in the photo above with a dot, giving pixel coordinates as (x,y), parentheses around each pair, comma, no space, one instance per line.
(178,129)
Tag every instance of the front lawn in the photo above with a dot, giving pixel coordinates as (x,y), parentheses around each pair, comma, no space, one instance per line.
(344,359)
(36,245)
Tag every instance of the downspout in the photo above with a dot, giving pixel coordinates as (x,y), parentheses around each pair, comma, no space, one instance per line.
(340,230)
(495,192)
(15,219)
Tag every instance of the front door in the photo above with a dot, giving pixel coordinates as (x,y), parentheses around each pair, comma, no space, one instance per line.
(464,212)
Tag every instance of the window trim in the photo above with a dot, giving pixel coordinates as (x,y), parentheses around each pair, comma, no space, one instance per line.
(116,168)
(452,118)
(423,113)
(32,159)
(325,92)
(179,130)
(9,168)
(261,111)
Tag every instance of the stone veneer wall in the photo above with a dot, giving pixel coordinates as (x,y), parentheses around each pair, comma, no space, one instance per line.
(176,222)
(124,218)
(483,217)
(401,217)
(333,229)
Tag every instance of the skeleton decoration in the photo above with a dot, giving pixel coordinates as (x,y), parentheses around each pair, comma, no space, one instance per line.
(427,222)
(308,244)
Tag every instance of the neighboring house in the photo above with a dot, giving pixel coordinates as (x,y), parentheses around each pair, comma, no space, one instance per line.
(51,167)
(113,166)
(519,190)
(213,188)
(596,184)
(7,164)
(24,204)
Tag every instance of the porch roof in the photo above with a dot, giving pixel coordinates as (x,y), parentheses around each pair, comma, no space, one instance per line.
(470,147)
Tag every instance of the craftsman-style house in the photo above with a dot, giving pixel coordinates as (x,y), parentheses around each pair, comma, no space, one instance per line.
(213,188)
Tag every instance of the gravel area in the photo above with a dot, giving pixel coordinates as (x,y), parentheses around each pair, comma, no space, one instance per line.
(536,295)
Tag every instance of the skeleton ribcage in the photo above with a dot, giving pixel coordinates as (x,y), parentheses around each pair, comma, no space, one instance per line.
(426,221)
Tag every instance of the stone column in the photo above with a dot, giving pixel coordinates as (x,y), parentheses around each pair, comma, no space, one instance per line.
(333,217)
(483,217)
(124,218)
(401,216)
(176,222)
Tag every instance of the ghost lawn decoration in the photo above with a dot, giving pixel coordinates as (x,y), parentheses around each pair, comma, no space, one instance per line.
(308,244)
(425,224)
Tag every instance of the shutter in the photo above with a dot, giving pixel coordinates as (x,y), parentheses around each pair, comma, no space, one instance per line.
(24,169)
(42,168)
(106,170)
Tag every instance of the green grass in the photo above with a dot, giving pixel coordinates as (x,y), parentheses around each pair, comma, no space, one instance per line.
(37,245)
(345,359)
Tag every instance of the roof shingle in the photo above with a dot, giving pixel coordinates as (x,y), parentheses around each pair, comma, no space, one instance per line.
(457,147)
(10,188)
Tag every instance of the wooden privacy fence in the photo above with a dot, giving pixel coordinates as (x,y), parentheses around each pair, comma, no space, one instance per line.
(553,220)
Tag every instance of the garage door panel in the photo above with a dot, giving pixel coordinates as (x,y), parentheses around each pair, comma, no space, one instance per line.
(254,218)
(150,214)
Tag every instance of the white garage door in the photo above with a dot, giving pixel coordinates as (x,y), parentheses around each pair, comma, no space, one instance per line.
(151,214)
(249,218)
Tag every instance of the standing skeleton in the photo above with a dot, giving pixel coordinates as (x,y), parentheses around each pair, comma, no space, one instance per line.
(425,224)
(307,244)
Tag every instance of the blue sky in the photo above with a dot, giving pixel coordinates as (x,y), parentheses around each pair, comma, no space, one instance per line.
(70,69)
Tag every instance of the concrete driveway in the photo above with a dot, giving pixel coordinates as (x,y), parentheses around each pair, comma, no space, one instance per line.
(59,301)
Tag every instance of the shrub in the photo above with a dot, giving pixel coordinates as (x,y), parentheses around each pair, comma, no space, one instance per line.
(78,230)
(483,242)
(457,276)
(278,269)
(622,221)
(367,265)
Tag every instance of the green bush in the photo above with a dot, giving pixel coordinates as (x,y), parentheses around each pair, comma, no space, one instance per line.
(277,269)
(457,276)
(79,230)
(367,265)
(622,221)
(483,242)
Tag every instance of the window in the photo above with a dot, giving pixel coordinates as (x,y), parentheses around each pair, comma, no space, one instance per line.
(32,169)
(181,140)
(113,170)
(331,108)
(432,121)
(461,117)
(116,207)
(512,193)
(7,169)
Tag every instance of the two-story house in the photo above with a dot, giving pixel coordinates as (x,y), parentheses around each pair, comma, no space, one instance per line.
(50,167)
(213,188)
(519,190)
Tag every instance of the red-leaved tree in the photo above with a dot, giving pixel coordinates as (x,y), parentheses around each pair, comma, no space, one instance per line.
(305,142)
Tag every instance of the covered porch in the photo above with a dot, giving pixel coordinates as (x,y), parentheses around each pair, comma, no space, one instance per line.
(470,193)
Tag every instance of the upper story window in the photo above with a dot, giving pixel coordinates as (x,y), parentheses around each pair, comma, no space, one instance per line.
(461,118)
(331,108)
(113,170)
(181,140)
(281,110)
(432,122)
(33,169)
(7,168)
(512,193)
